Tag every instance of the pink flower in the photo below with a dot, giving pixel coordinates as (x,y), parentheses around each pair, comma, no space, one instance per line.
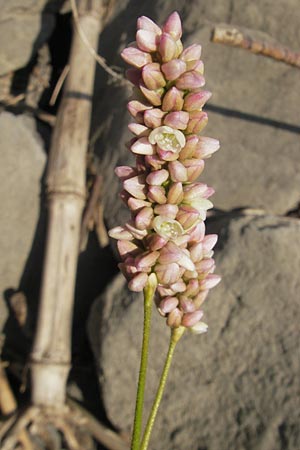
(173,69)
(190,80)
(136,57)
(165,238)
(173,26)
(173,100)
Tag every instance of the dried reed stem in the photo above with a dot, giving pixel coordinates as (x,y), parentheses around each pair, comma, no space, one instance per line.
(50,358)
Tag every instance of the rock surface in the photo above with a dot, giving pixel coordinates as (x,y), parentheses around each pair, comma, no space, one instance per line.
(24,26)
(235,387)
(21,168)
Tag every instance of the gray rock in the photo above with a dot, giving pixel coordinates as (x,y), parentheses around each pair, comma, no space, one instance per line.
(235,387)
(24,27)
(255,118)
(22,164)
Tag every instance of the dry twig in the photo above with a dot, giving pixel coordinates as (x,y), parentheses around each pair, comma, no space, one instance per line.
(247,39)
(59,85)
(100,60)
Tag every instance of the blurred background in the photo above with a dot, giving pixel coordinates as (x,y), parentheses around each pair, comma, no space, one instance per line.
(237,387)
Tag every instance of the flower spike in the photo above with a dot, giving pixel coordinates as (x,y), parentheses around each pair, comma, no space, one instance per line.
(166,234)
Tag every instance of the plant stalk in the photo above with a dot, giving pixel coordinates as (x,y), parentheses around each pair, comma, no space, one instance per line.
(176,334)
(66,192)
(138,417)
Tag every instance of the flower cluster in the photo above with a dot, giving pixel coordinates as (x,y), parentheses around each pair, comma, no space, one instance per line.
(166,233)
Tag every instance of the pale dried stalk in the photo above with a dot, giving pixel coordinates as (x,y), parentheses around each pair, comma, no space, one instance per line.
(51,354)
(249,40)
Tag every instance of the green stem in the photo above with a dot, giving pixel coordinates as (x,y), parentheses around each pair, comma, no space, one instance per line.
(175,336)
(148,300)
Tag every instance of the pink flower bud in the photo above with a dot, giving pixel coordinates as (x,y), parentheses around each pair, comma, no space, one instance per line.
(128,268)
(157,177)
(175,194)
(187,305)
(167,305)
(136,57)
(177,171)
(196,100)
(190,319)
(174,318)
(145,261)
(144,23)
(200,298)
(170,253)
(177,119)
(210,281)
(173,69)
(138,129)
(167,47)
(143,147)
(157,194)
(135,204)
(179,286)
(190,274)
(173,26)
(136,187)
(200,204)
(144,218)
(124,172)
(167,273)
(154,161)
(192,191)
(209,192)
(190,80)
(190,147)
(136,233)
(181,241)
(187,216)
(199,328)
(166,155)
(127,248)
(196,66)
(166,210)
(147,40)
(206,147)
(197,234)
(194,168)
(192,288)
(138,282)
(153,117)
(209,242)
(153,96)
(205,266)
(134,76)
(179,48)
(153,77)
(120,233)
(135,107)
(156,242)
(173,100)
(196,252)
(198,121)
(191,53)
